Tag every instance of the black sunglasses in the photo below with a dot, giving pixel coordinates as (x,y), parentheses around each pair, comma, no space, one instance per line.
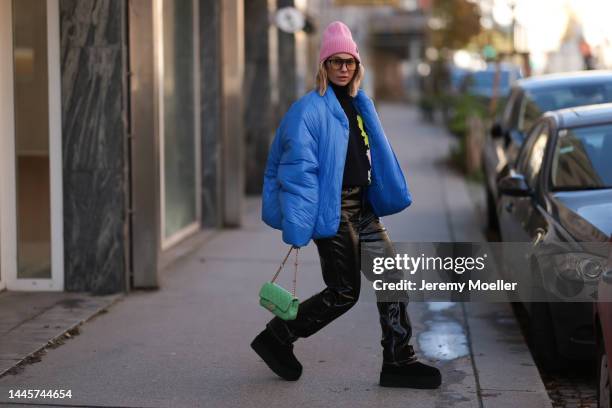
(337,63)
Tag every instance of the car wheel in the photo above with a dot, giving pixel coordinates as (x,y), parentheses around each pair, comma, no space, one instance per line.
(542,337)
(604,396)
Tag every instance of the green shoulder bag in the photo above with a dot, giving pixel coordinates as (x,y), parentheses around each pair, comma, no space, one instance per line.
(277,299)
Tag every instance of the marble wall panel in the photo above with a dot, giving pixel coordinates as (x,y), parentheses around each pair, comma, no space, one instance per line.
(94,239)
(258,103)
(210,71)
(93,130)
(93,144)
(91,23)
(287,74)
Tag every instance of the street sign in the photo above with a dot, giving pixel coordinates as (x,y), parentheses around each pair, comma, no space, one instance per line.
(289,19)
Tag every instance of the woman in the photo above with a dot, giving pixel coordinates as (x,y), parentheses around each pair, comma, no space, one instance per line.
(319,184)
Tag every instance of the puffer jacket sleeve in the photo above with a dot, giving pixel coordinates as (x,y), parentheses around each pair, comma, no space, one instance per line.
(389,193)
(298,182)
(270,210)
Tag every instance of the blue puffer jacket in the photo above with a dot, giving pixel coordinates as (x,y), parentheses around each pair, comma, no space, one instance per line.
(303,177)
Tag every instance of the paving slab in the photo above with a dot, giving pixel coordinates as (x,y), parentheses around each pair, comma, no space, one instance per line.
(504,365)
(33,320)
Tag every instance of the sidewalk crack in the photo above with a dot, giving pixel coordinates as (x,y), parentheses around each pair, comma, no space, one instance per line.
(21,323)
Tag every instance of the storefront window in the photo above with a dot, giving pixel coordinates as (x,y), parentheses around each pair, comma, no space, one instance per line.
(179,133)
(32,139)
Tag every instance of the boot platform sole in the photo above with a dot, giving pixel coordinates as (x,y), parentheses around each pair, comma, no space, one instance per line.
(402,381)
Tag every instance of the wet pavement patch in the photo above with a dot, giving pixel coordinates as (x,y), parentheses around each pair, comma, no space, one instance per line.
(445,338)
(440,306)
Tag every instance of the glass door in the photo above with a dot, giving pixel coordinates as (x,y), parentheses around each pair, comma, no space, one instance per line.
(32,238)
(177,62)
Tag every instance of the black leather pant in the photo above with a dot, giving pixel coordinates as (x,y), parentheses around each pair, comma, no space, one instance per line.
(340,258)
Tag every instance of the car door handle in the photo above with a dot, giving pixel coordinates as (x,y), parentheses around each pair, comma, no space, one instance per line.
(509,207)
(538,238)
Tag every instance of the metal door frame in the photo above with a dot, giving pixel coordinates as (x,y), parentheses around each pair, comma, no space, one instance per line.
(8,204)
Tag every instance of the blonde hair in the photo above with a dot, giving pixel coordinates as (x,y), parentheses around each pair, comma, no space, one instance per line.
(322,80)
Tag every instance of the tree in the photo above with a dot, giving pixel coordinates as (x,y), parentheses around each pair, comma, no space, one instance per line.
(453,23)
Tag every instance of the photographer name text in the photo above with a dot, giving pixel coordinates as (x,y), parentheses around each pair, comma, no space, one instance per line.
(478,285)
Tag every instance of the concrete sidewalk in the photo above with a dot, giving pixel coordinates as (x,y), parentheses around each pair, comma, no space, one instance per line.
(33,321)
(187,345)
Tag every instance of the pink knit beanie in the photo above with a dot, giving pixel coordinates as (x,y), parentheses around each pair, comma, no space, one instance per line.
(337,38)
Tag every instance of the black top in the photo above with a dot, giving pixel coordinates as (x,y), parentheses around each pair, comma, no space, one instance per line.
(357,164)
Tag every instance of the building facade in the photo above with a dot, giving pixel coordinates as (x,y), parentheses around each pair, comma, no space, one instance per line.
(127,128)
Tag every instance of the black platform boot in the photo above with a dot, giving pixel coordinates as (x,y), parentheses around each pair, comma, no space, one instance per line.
(400,366)
(413,375)
(278,356)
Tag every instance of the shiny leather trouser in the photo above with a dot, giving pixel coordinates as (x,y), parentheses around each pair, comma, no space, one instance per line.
(340,258)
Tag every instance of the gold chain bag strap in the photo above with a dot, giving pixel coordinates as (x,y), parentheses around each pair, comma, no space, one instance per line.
(277,299)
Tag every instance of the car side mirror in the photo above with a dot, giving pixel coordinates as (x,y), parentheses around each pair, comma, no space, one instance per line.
(514,185)
(496,131)
(506,170)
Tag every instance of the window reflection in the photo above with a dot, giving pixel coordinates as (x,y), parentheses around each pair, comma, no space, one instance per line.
(536,157)
(180,196)
(32,139)
(582,159)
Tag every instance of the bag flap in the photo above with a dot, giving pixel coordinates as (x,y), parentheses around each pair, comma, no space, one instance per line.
(276,295)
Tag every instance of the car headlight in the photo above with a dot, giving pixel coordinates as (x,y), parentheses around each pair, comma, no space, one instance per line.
(577,266)
(590,268)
